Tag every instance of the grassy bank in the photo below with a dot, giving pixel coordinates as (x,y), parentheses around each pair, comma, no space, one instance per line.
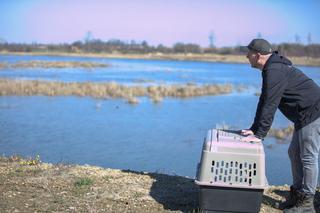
(107,90)
(32,186)
(52,64)
(307,61)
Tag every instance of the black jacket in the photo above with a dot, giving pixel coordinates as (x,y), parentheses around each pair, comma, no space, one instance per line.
(287,88)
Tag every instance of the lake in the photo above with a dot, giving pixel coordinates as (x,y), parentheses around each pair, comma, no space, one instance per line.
(166,137)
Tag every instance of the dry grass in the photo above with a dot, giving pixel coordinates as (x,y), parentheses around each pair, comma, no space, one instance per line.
(107,90)
(3,65)
(282,134)
(156,99)
(71,188)
(52,64)
(65,188)
(308,61)
(132,100)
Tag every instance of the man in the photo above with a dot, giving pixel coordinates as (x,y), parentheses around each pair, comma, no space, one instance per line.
(298,98)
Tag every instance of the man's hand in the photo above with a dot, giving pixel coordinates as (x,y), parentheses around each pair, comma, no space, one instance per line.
(251,138)
(247,132)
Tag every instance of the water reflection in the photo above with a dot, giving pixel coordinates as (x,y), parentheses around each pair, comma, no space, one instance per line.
(165,137)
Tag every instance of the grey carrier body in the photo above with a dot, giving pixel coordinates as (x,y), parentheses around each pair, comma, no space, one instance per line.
(231,174)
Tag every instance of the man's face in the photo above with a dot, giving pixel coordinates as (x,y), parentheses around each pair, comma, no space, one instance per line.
(253,58)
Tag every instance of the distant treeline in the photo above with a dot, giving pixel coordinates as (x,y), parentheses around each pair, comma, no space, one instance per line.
(118,46)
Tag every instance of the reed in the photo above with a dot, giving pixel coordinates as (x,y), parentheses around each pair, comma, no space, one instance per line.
(132,100)
(282,133)
(156,99)
(3,65)
(52,64)
(10,87)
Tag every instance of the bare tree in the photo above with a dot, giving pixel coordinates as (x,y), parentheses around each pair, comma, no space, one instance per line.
(2,41)
(88,37)
(297,39)
(309,39)
(259,35)
(118,46)
(211,39)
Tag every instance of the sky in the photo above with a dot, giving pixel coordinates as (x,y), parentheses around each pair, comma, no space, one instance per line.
(231,22)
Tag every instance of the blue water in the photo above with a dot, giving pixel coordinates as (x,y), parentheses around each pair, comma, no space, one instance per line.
(165,137)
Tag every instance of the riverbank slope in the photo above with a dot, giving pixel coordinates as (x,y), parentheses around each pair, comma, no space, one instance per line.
(32,186)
